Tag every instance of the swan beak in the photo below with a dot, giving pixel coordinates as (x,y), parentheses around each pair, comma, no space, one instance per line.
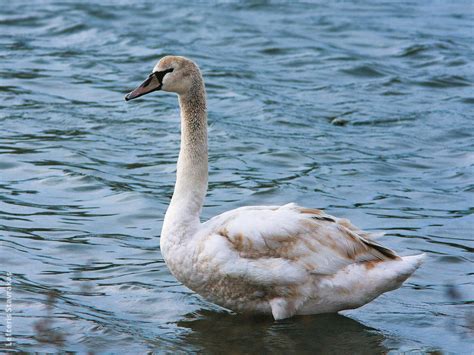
(152,83)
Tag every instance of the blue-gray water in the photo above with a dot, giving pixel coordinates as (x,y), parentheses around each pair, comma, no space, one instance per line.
(362,108)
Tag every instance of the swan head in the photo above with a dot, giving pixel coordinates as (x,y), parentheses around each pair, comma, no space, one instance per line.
(172,74)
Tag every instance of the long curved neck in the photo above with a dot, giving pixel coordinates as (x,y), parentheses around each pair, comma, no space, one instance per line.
(182,216)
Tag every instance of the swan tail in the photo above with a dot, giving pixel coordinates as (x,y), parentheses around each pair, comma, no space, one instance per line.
(398,271)
(411,263)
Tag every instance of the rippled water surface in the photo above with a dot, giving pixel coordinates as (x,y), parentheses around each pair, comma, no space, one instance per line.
(363,109)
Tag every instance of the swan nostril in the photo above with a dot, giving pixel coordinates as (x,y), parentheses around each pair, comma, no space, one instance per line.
(147,81)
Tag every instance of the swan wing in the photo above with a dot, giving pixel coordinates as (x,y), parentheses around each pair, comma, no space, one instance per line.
(284,245)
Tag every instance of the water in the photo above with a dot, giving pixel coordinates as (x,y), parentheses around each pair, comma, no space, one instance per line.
(361,108)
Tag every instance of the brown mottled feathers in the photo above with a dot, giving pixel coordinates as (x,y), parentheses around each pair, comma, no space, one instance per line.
(312,239)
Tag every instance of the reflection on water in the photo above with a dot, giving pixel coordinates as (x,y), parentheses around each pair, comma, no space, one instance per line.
(213,332)
(361,108)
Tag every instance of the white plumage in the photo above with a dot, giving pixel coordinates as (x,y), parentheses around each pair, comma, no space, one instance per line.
(279,260)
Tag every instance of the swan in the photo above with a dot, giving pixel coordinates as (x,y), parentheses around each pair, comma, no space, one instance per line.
(277,260)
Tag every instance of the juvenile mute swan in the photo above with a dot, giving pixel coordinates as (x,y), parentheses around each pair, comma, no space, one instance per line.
(279,260)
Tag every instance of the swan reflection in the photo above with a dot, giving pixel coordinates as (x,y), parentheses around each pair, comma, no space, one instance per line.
(214,332)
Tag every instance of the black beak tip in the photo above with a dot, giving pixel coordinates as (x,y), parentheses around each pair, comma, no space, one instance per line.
(127,97)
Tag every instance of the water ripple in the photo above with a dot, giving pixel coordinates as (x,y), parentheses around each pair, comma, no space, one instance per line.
(360,108)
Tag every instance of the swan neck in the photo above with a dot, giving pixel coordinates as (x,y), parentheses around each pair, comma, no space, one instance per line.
(192,168)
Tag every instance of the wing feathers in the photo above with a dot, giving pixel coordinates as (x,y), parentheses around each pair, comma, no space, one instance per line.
(301,241)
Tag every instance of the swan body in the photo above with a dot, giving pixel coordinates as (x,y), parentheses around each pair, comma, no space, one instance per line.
(279,260)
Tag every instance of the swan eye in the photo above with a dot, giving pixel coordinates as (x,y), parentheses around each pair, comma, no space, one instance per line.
(161,74)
